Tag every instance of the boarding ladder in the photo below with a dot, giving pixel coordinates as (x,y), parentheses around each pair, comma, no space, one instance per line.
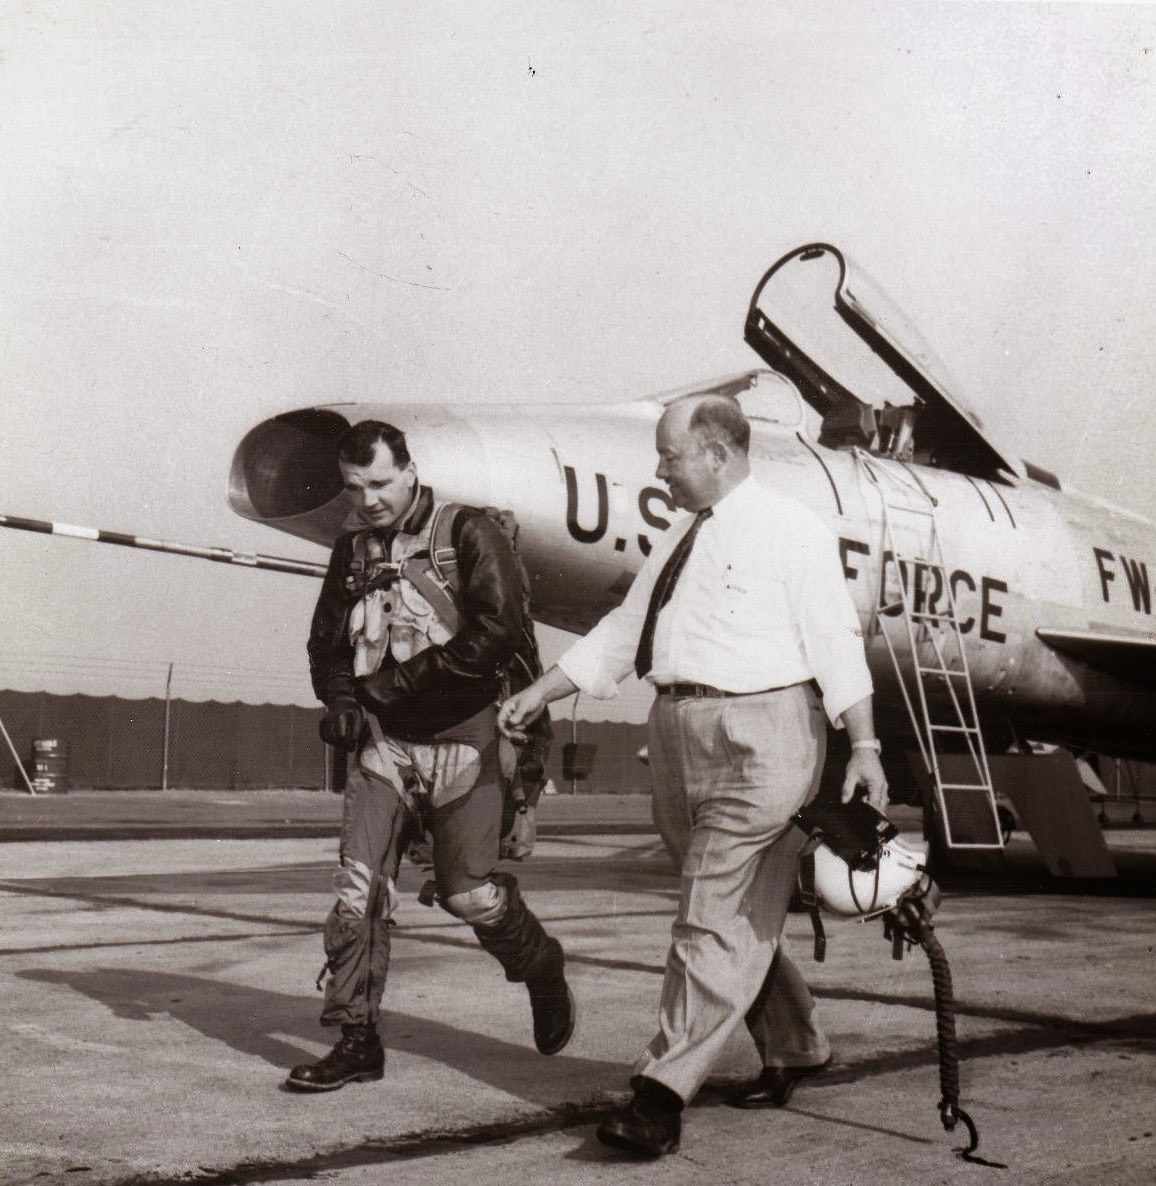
(937,689)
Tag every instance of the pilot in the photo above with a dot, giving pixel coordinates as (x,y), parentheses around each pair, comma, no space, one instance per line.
(417,701)
(741,619)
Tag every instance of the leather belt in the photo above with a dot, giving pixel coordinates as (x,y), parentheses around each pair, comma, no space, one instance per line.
(708,692)
(703,691)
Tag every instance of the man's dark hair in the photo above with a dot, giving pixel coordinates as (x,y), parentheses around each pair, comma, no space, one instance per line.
(359,442)
(719,418)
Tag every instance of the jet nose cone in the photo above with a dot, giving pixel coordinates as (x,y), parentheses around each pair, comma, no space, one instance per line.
(287,466)
(285,470)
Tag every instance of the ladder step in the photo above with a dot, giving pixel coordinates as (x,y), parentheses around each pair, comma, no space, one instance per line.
(941,671)
(917,615)
(922,561)
(954,728)
(966,786)
(910,510)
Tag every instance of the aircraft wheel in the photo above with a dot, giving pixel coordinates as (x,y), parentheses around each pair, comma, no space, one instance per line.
(1007,821)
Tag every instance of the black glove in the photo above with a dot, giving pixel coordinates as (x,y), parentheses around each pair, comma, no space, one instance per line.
(341,725)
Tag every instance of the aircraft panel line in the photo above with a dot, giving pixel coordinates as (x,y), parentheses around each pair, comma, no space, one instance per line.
(995,490)
(975,486)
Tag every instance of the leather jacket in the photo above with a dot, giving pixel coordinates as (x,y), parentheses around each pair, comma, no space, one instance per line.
(441,686)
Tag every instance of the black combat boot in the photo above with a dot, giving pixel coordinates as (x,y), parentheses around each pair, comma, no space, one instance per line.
(530,956)
(551,1001)
(358,1058)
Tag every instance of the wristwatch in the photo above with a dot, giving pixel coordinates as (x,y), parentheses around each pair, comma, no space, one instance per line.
(868,743)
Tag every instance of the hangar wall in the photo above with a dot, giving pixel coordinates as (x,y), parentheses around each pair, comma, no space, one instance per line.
(118,744)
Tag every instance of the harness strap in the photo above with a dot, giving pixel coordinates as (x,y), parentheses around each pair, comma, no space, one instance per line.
(435,576)
(443,554)
(419,573)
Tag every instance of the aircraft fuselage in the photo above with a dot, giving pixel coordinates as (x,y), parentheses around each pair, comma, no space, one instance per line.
(1016,555)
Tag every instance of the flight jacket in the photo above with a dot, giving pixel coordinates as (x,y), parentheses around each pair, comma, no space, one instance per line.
(441,686)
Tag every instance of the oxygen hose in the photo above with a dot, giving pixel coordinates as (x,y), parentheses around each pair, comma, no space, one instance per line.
(949,1110)
(917,928)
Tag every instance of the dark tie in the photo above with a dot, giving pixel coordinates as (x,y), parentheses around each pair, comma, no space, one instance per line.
(662,591)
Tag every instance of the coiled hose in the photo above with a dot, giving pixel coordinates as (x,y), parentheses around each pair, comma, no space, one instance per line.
(950,1113)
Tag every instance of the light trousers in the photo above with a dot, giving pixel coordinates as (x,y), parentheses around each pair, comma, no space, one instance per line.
(728,773)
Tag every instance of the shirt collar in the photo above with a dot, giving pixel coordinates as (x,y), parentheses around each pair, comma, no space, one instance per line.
(737,498)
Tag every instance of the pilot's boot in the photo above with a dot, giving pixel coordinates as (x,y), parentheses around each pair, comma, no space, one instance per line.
(358,1058)
(552,1003)
(357,962)
(530,956)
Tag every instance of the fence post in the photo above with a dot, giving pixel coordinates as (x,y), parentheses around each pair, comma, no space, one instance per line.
(574,737)
(165,749)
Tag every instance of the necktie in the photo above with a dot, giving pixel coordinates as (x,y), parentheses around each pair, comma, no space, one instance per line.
(662,591)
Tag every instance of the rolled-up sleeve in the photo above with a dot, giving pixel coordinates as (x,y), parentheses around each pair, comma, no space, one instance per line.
(829,627)
(605,656)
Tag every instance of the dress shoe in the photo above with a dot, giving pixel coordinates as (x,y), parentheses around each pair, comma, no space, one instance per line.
(552,1004)
(773,1088)
(358,1058)
(640,1130)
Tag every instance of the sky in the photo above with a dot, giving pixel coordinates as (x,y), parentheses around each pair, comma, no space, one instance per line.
(214,212)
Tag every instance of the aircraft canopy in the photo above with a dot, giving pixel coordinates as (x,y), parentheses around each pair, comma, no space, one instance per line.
(858,361)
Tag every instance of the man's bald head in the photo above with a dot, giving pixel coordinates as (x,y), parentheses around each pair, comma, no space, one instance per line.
(702,443)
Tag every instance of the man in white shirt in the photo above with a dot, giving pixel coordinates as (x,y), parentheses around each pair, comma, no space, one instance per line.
(736,617)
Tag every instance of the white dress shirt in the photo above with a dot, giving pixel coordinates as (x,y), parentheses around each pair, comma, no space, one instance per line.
(761,603)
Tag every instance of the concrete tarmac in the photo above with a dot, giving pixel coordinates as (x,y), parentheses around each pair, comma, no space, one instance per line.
(155,992)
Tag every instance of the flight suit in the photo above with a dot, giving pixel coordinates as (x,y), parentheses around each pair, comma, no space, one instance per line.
(427,761)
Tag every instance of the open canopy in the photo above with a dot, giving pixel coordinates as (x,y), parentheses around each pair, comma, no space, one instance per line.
(858,361)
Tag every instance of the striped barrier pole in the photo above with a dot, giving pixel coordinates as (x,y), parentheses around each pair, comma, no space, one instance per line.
(219,555)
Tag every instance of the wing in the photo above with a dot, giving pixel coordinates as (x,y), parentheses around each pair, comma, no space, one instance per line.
(1130,657)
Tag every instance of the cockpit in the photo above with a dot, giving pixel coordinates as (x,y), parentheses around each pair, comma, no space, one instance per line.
(865,371)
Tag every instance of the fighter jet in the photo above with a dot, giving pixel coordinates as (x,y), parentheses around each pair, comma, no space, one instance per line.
(999,610)
(997,607)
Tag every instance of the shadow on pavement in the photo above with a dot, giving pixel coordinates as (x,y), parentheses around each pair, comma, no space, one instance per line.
(250,1021)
